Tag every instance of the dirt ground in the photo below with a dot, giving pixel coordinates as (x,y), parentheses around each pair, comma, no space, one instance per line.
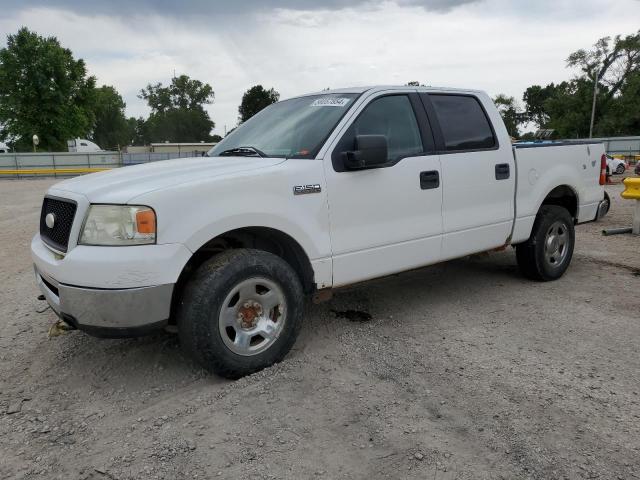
(466,370)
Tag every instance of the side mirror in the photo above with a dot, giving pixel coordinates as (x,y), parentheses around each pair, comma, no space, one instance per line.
(370,152)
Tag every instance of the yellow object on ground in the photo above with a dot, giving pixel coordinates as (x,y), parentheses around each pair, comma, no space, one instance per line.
(632,188)
(58,328)
(632,192)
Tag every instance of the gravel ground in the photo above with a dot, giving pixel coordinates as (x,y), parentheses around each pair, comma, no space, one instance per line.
(465,370)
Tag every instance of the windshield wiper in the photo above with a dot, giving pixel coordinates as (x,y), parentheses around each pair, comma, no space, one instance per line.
(242,152)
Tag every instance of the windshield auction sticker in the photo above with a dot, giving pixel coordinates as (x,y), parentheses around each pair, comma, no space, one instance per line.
(330,102)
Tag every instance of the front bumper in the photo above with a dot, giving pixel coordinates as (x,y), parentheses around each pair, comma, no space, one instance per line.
(110,291)
(108,312)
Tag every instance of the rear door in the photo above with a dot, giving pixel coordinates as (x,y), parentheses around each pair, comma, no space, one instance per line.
(478,174)
(389,219)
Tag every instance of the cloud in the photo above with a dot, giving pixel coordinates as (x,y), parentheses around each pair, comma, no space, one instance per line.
(501,46)
(209,9)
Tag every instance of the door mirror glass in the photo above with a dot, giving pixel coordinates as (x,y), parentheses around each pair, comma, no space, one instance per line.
(370,151)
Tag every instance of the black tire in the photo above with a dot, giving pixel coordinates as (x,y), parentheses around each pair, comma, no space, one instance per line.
(620,169)
(531,255)
(607,201)
(199,311)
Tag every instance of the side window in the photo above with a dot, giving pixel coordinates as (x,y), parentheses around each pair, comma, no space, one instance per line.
(464,124)
(392,116)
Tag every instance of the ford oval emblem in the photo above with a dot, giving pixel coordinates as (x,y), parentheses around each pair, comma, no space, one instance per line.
(50,220)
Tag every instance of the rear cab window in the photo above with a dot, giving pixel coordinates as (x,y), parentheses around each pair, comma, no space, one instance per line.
(463,122)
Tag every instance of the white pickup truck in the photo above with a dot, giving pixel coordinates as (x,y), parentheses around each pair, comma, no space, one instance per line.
(312,193)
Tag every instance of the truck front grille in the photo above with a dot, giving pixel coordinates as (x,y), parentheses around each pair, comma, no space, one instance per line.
(62,213)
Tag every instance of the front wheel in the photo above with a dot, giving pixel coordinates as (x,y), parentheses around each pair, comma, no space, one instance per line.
(241,312)
(547,253)
(620,169)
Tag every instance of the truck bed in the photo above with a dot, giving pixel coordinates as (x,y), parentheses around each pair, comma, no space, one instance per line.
(541,167)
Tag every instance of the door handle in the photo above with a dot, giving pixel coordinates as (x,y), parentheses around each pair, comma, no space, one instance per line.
(430,179)
(502,171)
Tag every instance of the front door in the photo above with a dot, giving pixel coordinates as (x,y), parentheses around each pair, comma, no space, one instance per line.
(389,219)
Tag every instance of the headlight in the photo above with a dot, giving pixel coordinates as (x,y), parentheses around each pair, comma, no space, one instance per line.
(117,225)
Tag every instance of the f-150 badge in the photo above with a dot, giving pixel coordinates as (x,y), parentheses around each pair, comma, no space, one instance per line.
(304,189)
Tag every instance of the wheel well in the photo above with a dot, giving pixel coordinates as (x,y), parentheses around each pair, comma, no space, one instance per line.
(563,196)
(260,238)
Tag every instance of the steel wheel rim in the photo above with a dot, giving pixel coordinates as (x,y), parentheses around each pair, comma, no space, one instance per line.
(252,316)
(556,244)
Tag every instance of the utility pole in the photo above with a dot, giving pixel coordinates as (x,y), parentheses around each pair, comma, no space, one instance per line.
(593,105)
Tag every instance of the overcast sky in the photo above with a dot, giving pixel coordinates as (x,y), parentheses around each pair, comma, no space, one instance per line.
(298,46)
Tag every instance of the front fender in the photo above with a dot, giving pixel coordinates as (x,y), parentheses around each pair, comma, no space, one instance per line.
(199,211)
(309,242)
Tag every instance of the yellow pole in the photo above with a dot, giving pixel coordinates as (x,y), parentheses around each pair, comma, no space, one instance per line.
(632,192)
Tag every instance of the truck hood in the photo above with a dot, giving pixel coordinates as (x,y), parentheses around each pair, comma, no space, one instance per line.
(123,184)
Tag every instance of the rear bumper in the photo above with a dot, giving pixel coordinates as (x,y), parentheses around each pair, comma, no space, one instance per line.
(108,312)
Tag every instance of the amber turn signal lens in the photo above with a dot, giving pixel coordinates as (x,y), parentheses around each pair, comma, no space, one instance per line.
(146,221)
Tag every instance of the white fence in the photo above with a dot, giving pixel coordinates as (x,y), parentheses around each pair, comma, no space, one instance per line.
(627,146)
(67,163)
(146,157)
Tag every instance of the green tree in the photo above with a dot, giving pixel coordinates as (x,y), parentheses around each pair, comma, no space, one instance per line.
(534,99)
(566,107)
(623,114)
(177,111)
(111,129)
(254,100)
(613,61)
(138,131)
(510,112)
(184,92)
(569,108)
(43,91)
(178,125)
(610,64)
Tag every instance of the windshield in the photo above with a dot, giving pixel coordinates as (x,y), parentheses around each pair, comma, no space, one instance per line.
(293,128)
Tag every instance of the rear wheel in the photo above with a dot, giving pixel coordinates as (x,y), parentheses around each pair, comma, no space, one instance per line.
(604,207)
(606,204)
(620,169)
(241,312)
(547,253)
